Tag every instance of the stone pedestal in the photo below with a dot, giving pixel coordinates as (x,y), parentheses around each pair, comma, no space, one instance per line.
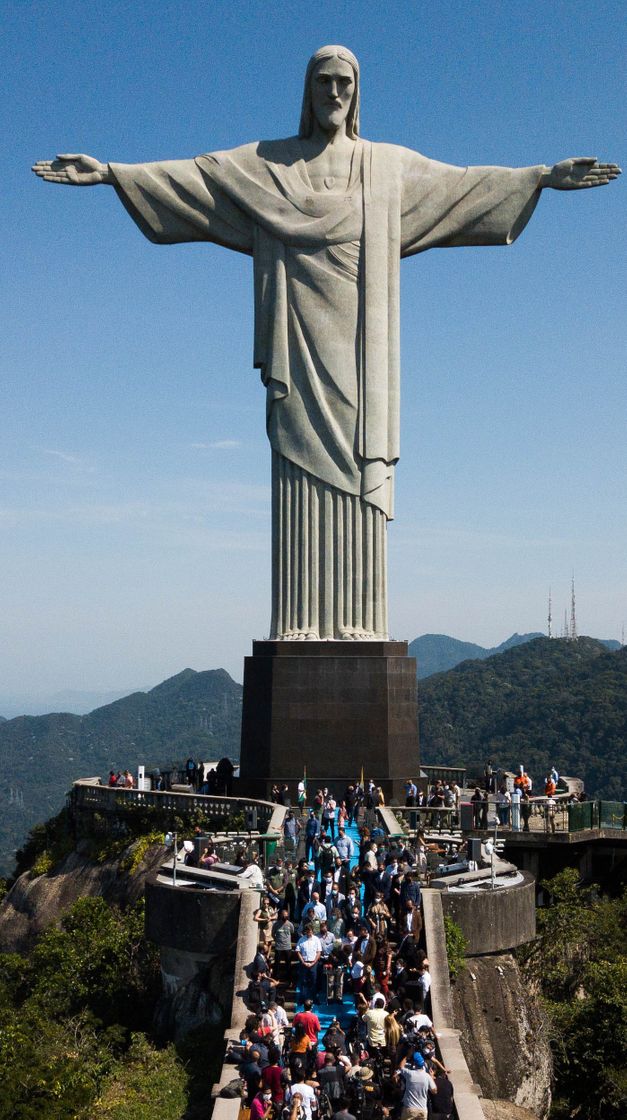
(333,707)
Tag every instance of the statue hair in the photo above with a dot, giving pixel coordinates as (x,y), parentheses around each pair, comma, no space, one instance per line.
(307,116)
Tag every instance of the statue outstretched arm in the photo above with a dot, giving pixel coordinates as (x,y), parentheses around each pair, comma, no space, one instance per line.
(171,201)
(578,173)
(73,170)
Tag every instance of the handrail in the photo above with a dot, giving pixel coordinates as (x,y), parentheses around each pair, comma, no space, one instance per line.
(89,796)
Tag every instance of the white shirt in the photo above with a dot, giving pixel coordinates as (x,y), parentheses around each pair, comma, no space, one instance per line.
(255,875)
(309,948)
(314,909)
(307,1094)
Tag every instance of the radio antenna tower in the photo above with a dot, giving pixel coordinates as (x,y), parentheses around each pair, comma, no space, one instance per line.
(550,617)
(573,616)
(565,626)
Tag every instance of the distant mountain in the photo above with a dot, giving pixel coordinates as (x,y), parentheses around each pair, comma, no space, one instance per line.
(539,703)
(69,700)
(192,713)
(436,653)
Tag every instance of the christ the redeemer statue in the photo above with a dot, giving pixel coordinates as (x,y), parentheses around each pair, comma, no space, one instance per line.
(326,217)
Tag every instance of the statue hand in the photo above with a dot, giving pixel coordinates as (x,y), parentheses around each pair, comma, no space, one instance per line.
(578,173)
(74,170)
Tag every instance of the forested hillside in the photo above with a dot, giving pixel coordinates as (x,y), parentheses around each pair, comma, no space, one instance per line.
(544,702)
(191,713)
(436,653)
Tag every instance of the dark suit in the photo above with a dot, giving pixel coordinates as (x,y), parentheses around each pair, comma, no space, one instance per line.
(410,890)
(305,892)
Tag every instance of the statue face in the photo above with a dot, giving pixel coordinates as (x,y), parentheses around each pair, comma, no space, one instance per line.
(332,90)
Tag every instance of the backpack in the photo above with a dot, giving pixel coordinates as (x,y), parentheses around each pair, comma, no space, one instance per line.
(234,1088)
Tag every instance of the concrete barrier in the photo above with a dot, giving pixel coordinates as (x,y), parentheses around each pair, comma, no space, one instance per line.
(493,921)
(467,1101)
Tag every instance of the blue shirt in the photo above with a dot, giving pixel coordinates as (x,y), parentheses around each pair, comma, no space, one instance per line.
(345,847)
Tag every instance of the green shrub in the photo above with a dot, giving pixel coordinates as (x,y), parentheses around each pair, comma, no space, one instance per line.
(135,855)
(456,945)
(146,1084)
(42,865)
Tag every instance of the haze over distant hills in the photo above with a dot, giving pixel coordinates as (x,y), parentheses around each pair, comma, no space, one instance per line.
(75,700)
(191,713)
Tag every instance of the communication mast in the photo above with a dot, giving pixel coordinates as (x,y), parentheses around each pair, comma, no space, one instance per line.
(550,617)
(573,616)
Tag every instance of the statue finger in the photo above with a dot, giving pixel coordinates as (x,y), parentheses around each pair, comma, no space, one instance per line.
(70,157)
(590,160)
(41,164)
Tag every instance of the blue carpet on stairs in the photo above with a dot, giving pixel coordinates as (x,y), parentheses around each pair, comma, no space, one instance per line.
(345,1011)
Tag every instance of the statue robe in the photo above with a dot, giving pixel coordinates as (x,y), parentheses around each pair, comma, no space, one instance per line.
(326,279)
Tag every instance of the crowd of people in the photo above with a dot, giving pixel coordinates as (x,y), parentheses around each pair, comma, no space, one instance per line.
(340,935)
(515,806)
(122,779)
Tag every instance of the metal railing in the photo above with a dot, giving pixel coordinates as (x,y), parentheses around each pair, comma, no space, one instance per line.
(541,815)
(88,796)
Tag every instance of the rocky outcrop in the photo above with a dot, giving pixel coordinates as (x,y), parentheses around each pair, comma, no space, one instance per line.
(505,1110)
(34,904)
(503,1035)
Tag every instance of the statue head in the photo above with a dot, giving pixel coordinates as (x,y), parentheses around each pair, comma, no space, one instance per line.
(324,55)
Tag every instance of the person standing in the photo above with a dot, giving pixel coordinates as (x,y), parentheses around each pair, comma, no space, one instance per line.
(291,829)
(525,810)
(550,809)
(457,795)
(503,801)
(442,1099)
(475,801)
(410,793)
(309,1021)
(312,831)
(282,935)
(417,1085)
(345,846)
(308,951)
(328,815)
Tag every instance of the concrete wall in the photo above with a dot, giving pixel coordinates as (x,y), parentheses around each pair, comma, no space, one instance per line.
(194,921)
(467,1102)
(494,921)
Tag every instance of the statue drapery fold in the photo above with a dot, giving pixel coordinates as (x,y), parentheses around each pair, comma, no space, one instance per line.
(326,279)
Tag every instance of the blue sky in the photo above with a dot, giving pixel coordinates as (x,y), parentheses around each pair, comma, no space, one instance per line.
(134,469)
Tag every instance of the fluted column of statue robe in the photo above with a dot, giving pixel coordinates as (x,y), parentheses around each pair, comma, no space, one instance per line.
(326,273)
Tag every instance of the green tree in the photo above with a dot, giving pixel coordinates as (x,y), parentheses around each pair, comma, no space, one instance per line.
(579,961)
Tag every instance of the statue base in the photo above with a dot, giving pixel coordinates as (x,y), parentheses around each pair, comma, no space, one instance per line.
(330,707)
